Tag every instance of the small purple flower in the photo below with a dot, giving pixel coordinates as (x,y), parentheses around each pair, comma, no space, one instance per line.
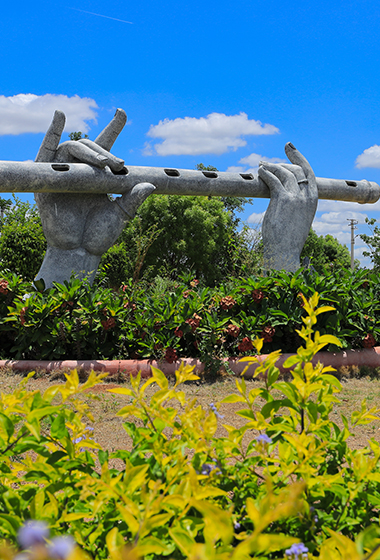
(81,438)
(264,438)
(237,526)
(297,551)
(215,411)
(207,469)
(61,547)
(32,533)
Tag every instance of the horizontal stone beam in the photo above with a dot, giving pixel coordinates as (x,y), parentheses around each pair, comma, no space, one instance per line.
(36,177)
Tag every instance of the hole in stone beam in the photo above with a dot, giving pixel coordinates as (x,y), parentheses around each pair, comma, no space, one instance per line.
(60,167)
(123,171)
(210,174)
(172,172)
(246,176)
(351,183)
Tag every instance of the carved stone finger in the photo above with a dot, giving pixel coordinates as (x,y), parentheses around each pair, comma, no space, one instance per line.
(114,163)
(52,138)
(286,178)
(108,136)
(298,159)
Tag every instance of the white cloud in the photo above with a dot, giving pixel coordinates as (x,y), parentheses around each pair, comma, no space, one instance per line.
(256,218)
(27,112)
(215,134)
(340,206)
(254,159)
(342,217)
(336,224)
(236,169)
(369,158)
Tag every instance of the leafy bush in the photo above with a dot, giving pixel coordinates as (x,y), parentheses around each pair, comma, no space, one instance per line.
(167,320)
(22,241)
(294,488)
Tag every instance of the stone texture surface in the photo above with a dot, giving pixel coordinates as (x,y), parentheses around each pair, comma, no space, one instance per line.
(25,176)
(291,210)
(79,228)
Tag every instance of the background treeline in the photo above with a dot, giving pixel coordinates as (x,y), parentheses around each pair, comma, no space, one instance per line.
(170,236)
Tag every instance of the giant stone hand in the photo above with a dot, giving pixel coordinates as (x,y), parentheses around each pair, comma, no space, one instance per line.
(79,228)
(291,210)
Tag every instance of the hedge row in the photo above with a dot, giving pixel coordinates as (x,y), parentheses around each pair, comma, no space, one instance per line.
(166,321)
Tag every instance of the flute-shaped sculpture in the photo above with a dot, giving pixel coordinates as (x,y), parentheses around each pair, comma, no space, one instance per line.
(71,182)
(81,178)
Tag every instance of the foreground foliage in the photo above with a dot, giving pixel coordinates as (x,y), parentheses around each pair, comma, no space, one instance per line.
(168,320)
(287,476)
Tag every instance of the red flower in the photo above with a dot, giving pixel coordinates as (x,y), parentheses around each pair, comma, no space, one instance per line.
(178,332)
(300,299)
(130,305)
(268,333)
(232,330)
(186,293)
(158,346)
(22,315)
(365,284)
(257,295)
(194,322)
(170,355)
(368,341)
(108,324)
(194,283)
(227,303)
(4,287)
(245,345)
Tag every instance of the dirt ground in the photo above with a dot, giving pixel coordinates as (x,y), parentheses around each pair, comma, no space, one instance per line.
(108,428)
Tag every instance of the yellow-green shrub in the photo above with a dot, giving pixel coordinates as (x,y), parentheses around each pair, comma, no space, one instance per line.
(183,493)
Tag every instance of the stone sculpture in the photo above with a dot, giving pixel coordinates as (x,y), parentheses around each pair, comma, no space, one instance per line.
(71,182)
(291,210)
(79,228)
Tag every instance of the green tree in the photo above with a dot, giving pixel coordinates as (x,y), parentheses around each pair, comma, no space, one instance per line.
(325,252)
(373,242)
(178,234)
(5,204)
(75,136)
(22,241)
(172,235)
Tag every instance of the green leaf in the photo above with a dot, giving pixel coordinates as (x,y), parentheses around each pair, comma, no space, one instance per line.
(7,425)
(58,428)
(233,399)
(182,539)
(11,522)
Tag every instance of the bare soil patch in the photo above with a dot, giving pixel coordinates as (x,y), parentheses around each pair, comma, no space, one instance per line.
(108,427)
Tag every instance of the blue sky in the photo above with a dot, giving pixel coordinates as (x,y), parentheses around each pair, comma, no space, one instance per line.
(185,72)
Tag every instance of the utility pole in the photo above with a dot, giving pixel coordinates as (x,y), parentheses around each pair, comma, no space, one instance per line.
(353,227)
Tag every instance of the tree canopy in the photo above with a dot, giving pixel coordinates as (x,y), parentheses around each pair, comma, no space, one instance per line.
(373,242)
(22,241)
(325,252)
(178,234)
